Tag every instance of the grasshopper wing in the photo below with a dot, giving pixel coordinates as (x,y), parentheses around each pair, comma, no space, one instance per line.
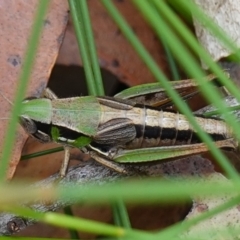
(154,95)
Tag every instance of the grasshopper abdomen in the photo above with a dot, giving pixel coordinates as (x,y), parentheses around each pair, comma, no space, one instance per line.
(153,128)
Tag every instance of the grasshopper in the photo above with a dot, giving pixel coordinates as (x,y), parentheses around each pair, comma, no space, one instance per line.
(112,129)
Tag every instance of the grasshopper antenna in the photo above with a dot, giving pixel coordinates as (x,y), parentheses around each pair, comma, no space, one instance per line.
(5,118)
(6,98)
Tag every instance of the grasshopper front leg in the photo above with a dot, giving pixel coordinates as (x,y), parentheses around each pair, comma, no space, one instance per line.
(63,170)
(65,162)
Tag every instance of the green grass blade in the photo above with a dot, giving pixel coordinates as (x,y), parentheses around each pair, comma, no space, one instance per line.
(135,191)
(209,24)
(192,42)
(91,47)
(189,63)
(22,85)
(73,233)
(79,224)
(171,61)
(120,214)
(159,190)
(216,31)
(41,153)
(30,238)
(82,44)
(127,31)
(192,67)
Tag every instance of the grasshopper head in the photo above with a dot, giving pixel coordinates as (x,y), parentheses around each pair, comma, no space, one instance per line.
(35,118)
(37,109)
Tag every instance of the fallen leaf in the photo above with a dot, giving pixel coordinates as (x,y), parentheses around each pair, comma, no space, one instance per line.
(115,54)
(16,21)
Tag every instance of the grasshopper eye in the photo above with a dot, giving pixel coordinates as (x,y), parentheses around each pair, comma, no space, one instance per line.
(28,124)
(31,128)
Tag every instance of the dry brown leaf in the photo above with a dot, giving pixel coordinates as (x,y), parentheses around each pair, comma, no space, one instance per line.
(225,13)
(16,20)
(114,51)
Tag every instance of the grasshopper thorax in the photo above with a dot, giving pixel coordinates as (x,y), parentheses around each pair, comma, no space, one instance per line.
(37,118)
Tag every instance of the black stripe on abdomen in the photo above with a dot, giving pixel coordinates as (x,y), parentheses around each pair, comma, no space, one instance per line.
(154,132)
